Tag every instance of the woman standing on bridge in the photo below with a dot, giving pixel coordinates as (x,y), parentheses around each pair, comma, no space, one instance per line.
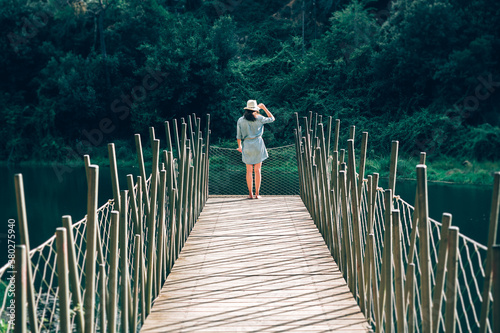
(249,136)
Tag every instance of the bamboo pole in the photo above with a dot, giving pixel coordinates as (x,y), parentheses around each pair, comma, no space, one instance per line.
(329,137)
(496,288)
(334,193)
(177,141)
(161,231)
(424,249)
(326,191)
(142,170)
(346,234)
(450,316)
(362,164)
(386,256)
(492,236)
(168,136)
(152,227)
(73,274)
(393,166)
(143,265)
(23,230)
(398,272)
(373,280)
(125,279)
(438,291)
(103,297)
(337,134)
(356,223)
(114,174)
(352,132)
(411,297)
(90,259)
(207,156)
(21,286)
(113,270)
(137,260)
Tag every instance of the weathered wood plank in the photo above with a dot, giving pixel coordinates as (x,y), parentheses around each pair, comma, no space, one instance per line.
(255,265)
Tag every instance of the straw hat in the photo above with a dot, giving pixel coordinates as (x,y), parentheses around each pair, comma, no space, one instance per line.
(252,105)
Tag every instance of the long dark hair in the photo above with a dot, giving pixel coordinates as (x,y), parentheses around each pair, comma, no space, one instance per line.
(248,115)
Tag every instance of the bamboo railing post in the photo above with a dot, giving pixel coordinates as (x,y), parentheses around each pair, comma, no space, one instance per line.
(398,272)
(21,286)
(385,297)
(321,195)
(329,137)
(373,280)
(168,136)
(172,204)
(326,190)
(388,275)
(349,273)
(492,235)
(424,249)
(207,157)
(90,259)
(161,231)
(182,186)
(440,274)
(334,193)
(152,135)
(356,223)
(362,164)
(368,260)
(342,156)
(114,174)
(24,235)
(299,161)
(352,132)
(496,288)
(103,297)
(133,204)
(73,274)
(411,297)
(187,192)
(337,134)
(143,272)
(393,166)
(125,279)
(450,316)
(137,260)
(142,170)
(177,140)
(113,270)
(152,227)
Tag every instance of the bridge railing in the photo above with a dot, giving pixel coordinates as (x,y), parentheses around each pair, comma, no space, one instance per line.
(79,280)
(408,272)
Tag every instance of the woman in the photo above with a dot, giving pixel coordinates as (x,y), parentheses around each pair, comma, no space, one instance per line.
(250,144)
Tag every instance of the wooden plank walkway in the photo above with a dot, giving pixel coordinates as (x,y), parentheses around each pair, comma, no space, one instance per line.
(255,266)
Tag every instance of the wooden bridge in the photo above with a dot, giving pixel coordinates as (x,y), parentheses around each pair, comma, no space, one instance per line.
(255,266)
(164,256)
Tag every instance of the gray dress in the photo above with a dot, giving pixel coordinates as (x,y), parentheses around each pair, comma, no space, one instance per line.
(250,133)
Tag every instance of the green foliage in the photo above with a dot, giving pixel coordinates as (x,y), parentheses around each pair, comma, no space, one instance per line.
(407,76)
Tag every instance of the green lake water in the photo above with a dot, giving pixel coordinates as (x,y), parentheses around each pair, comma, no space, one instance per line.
(48,198)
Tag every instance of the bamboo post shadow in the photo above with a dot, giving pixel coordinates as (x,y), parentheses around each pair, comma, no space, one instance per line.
(21,286)
(24,235)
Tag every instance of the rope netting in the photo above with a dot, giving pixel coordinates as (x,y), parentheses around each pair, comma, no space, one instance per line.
(43,265)
(471,259)
(279,172)
(344,218)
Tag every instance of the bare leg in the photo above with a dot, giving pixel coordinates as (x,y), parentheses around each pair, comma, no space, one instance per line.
(258,178)
(250,179)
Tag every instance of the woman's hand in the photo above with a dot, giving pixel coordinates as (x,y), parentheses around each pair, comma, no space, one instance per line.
(239,149)
(262,106)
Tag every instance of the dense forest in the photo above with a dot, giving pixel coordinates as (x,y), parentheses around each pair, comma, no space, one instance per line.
(79,74)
